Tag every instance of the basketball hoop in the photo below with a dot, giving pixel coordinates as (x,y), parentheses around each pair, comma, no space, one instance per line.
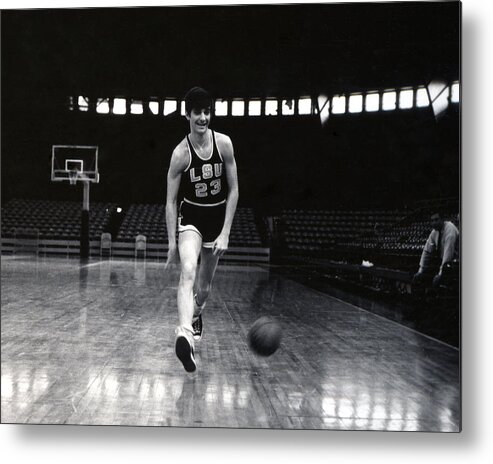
(72,176)
(77,163)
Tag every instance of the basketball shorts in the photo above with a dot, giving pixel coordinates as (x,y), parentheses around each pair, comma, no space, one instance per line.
(207,221)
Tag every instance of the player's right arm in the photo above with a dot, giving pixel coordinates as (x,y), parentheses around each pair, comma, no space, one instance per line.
(426,257)
(179,162)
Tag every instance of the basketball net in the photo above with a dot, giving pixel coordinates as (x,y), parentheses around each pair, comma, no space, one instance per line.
(72,176)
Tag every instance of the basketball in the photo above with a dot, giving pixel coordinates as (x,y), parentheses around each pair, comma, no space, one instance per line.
(264,337)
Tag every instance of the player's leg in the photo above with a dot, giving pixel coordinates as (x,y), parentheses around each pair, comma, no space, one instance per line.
(207,269)
(208,261)
(210,229)
(189,245)
(208,265)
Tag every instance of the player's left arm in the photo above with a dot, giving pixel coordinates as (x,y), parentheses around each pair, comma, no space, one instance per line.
(227,152)
(426,255)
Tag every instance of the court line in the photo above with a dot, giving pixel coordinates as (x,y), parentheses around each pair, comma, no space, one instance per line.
(392,321)
(90,264)
(377,315)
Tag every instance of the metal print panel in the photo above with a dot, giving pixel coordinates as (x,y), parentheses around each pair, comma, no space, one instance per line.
(274,241)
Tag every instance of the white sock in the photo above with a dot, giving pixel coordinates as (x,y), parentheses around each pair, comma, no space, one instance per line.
(184,328)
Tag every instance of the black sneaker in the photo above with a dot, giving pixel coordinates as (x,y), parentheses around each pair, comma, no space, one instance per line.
(197,328)
(184,350)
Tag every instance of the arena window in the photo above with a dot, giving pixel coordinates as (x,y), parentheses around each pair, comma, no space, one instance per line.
(422,98)
(83,103)
(355,103)
(455,93)
(103,106)
(305,105)
(136,107)
(119,106)
(287,107)
(389,100)
(254,108)
(406,99)
(323,107)
(440,104)
(154,107)
(238,108)
(170,106)
(71,105)
(438,91)
(221,108)
(338,104)
(372,102)
(271,106)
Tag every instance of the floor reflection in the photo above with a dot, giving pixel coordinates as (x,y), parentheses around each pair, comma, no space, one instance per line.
(92,343)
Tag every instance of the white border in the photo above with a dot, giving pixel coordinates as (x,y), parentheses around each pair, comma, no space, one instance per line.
(61,444)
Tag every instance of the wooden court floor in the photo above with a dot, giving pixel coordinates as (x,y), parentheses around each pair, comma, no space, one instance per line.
(94,344)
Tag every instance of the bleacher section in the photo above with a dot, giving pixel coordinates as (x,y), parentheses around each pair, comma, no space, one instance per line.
(244,231)
(150,220)
(322,230)
(56,225)
(404,238)
(392,239)
(377,250)
(53,219)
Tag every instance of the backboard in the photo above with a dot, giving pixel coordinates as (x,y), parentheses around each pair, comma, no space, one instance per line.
(74,162)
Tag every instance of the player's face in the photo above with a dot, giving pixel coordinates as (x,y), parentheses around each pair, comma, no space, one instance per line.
(199,120)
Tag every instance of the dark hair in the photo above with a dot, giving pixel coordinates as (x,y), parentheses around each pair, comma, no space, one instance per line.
(197,98)
(435,212)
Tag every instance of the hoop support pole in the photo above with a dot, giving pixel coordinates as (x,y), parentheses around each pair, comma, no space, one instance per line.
(84,226)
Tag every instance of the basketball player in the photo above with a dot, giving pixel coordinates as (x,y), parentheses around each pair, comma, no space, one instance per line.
(203,172)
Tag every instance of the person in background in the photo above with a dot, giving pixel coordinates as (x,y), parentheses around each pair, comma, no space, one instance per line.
(442,244)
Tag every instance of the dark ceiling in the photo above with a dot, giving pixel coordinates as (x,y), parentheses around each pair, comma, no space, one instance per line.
(231,50)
